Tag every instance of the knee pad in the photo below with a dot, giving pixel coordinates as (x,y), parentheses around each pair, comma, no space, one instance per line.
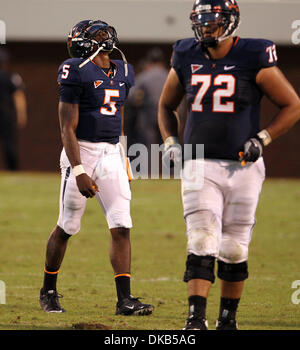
(232,272)
(202,233)
(233,252)
(201,267)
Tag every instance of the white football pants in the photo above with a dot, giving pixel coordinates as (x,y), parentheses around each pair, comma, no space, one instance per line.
(105,164)
(219,209)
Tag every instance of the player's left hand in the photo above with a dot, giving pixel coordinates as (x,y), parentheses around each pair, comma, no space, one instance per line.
(172,156)
(253,149)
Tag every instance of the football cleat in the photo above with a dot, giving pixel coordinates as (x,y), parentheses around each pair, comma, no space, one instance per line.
(49,301)
(226,325)
(132,306)
(196,323)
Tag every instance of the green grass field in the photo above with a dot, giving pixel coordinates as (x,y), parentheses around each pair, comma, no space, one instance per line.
(28,212)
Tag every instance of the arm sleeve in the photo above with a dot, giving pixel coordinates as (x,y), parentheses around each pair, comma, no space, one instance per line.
(69,93)
(176,64)
(268,55)
(69,81)
(130,79)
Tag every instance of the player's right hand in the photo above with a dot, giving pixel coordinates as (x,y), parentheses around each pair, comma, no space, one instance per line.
(87,187)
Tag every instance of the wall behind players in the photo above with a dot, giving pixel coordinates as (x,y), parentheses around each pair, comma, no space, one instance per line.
(140,20)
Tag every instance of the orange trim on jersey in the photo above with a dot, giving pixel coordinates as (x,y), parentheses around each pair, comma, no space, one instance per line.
(236,40)
(128,169)
(123,274)
(51,273)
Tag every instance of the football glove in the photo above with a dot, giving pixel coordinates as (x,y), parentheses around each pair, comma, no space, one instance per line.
(253,149)
(172,154)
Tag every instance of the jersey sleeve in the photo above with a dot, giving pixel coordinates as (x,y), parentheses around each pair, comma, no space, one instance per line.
(130,79)
(176,63)
(268,55)
(69,82)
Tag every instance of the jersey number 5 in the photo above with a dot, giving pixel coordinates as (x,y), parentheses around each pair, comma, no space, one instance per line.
(206,81)
(107,101)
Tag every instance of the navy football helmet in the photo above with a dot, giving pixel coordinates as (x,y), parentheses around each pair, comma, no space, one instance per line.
(87,36)
(208,16)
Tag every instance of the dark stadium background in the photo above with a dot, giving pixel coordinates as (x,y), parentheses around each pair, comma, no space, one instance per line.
(39,142)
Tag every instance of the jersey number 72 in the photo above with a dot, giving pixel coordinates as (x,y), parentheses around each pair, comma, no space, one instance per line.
(206,81)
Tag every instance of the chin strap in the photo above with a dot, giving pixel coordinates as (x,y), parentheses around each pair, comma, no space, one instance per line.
(91,57)
(100,49)
(124,60)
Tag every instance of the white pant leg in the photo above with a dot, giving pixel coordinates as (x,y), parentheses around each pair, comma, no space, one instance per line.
(203,205)
(114,190)
(72,202)
(241,199)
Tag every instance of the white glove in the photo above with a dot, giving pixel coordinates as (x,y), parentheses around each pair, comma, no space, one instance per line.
(172,155)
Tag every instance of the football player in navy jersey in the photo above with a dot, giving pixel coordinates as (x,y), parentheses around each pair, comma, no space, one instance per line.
(92,90)
(223,78)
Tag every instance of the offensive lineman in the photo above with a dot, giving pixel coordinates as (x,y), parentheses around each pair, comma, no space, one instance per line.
(93,90)
(224,78)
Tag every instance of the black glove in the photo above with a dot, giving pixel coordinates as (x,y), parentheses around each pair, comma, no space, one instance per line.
(253,149)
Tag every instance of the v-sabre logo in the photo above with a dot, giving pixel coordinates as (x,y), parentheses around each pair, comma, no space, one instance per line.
(97,83)
(196,67)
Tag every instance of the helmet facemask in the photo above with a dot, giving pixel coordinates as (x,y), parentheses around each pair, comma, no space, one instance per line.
(102,36)
(211,28)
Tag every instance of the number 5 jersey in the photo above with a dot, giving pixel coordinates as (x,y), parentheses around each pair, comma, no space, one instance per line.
(100,95)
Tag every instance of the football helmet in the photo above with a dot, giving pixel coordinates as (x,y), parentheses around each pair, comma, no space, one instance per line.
(87,36)
(210,16)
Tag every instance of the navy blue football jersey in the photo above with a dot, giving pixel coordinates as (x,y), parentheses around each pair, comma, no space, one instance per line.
(99,96)
(222,95)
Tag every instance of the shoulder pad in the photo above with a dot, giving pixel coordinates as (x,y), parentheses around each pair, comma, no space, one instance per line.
(184,44)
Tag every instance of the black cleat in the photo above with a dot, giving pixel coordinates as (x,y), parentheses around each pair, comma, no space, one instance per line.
(196,323)
(226,325)
(49,301)
(132,306)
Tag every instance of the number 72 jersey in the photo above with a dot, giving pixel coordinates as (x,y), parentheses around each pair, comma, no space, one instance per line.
(222,95)
(99,95)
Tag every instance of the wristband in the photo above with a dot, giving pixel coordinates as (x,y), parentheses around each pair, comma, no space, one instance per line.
(78,170)
(170,141)
(265,137)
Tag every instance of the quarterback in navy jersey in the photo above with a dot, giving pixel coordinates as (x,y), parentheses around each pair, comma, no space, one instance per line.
(223,78)
(92,91)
